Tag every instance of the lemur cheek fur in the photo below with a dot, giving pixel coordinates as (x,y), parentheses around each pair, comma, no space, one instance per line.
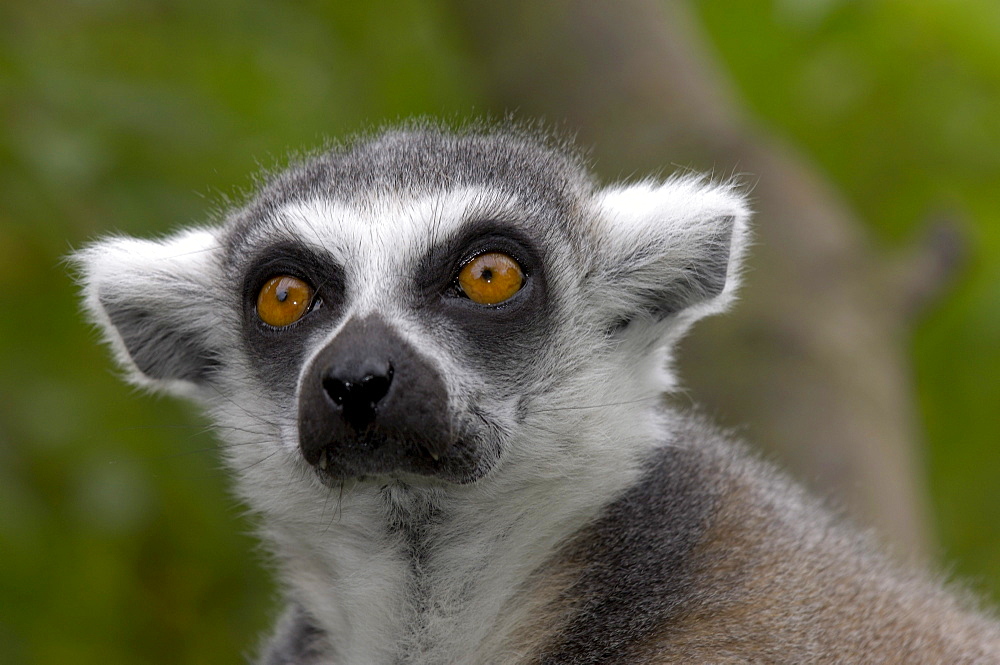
(440,364)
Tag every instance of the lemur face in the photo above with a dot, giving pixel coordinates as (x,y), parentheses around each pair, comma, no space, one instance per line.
(422,306)
(401,333)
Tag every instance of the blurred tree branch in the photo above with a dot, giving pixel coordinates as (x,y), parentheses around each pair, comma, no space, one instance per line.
(813,360)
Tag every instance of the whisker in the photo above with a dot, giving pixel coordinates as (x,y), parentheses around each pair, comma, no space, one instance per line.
(208,449)
(254,416)
(260,461)
(582,407)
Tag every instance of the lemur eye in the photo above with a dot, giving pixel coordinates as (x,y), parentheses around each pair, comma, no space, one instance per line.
(283,300)
(491,278)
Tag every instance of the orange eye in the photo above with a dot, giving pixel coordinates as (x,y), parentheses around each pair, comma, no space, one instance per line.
(283,301)
(491,278)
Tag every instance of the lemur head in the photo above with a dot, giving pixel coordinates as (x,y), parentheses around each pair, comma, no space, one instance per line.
(425,306)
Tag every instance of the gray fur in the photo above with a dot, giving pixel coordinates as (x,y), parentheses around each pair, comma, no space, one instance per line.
(160,350)
(638,561)
(515,491)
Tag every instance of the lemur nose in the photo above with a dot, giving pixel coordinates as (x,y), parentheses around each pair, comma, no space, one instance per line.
(370,403)
(358,398)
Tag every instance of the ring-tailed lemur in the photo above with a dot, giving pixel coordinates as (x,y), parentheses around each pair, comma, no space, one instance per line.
(439,363)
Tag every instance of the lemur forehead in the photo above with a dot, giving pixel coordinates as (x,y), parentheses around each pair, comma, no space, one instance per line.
(384,225)
(410,165)
(346,229)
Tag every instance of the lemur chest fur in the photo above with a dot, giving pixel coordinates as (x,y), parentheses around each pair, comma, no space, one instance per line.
(429,584)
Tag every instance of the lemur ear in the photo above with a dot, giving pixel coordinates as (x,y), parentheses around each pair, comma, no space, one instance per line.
(668,251)
(157,305)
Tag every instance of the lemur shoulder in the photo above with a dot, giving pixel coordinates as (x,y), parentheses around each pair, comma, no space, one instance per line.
(439,361)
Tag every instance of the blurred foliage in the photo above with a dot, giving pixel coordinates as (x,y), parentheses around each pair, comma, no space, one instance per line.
(118,540)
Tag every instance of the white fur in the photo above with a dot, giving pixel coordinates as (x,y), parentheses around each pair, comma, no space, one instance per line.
(665,226)
(177,273)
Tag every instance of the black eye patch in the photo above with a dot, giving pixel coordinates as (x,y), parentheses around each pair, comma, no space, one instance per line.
(278,352)
(504,332)
(438,271)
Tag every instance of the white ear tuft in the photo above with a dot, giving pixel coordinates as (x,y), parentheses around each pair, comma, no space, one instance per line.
(156,303)
(669,251)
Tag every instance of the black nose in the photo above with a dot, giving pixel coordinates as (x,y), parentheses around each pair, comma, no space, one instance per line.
(370,404)
(358,397)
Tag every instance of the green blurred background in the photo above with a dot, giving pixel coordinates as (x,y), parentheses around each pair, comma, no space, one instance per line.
(118,540)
